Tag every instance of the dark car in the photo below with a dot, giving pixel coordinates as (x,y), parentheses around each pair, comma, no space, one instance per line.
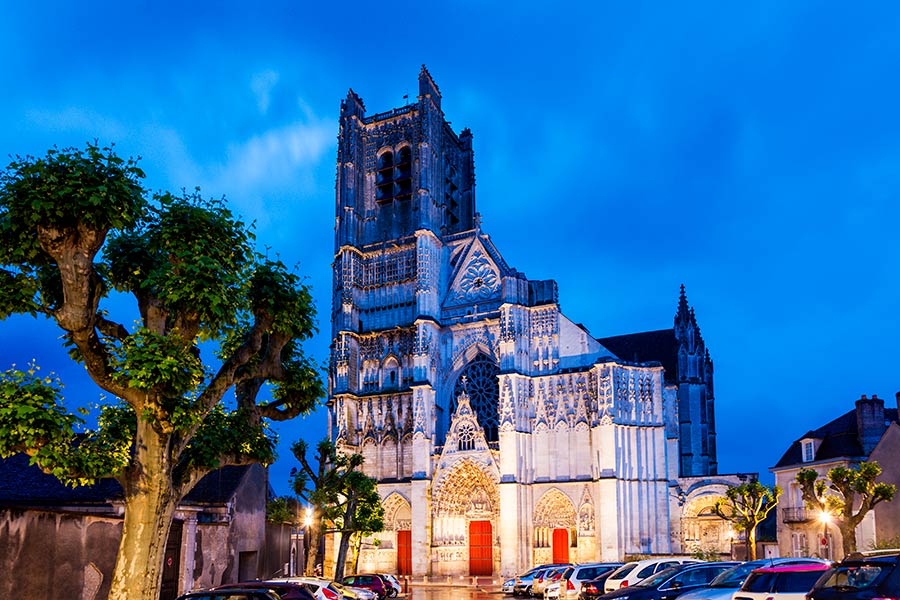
(861,576)
(672,582)
(284,590)
(236,593)
(593,588)
(369,581)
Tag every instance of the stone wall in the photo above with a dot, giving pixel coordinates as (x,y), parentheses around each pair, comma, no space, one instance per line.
(56,556)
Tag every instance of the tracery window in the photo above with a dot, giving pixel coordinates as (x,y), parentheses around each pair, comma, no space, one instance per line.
(484,393)
(466,435)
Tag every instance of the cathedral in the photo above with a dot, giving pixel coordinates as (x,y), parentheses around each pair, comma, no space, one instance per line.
(502,434)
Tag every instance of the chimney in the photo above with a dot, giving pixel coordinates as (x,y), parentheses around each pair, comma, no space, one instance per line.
(869,422)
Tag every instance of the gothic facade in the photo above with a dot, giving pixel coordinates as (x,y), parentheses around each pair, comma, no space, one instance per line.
(502,434)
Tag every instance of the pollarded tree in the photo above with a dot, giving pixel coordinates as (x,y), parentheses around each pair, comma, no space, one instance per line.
(76,226)
(747,506)
(344,499)
(847,489)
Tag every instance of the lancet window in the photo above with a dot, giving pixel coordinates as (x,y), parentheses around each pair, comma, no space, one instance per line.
(480,381)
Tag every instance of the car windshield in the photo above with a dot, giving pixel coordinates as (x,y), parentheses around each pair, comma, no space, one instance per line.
(623,571)
(853,577)
(734,577)
(659,578)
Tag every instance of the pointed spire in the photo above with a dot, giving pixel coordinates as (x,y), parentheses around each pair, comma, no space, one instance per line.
(683,316)
(353,105)
(428,88)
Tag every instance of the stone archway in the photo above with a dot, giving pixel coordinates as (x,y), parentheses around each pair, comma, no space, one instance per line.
(462,495)
(398,521)
(555,525)
(702,530)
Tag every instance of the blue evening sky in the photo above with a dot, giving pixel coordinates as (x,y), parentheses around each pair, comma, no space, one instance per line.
(747,150)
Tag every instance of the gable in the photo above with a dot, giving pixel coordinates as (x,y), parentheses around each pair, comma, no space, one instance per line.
(477,279)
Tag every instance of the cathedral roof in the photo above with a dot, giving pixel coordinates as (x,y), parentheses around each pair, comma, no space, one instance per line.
(839,439)
(647,346)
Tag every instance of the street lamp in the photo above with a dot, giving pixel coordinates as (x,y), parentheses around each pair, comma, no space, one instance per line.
(825,518)
(307,524)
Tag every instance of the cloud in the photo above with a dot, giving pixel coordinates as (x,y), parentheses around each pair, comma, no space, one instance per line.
(262,85)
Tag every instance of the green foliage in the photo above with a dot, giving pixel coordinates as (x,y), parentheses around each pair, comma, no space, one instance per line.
(32,416)
(66,188)
(149,361)
(890,543)
(281,510)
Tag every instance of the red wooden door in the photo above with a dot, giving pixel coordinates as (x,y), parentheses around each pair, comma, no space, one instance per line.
(481,560)
(404,552)
(560,545)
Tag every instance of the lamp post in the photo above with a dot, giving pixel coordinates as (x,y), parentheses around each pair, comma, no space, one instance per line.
(307,523)
(825,518)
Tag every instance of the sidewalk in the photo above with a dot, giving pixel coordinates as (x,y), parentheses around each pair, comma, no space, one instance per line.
(490,585)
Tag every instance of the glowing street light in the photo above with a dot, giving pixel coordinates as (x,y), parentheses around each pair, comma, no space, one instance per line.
(825,518)
(308,517)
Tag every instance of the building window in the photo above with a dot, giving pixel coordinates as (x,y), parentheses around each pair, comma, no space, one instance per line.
(384,177)
(484,393)
(809,453)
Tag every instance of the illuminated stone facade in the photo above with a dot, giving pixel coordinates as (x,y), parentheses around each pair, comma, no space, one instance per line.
(502,433)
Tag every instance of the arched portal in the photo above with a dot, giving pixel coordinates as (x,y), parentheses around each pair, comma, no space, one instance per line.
(555,527)
(466,506)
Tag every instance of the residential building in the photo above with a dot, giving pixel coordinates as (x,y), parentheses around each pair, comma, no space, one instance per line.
(868,432)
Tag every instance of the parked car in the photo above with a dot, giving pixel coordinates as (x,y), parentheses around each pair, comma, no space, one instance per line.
(321,589)
(569,585)
(728,582)
(508,586)
(232,594)
(354,593)
(394,586)
(787,582)
(632,572)
(284,590)
(524,582)
(369,581)
(861,576)
(672,582)
(545,578)
(590,590)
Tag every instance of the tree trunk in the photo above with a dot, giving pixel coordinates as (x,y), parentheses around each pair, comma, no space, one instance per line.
(313,552)
(149,508)
(346,534)
(751,543)
(848,536)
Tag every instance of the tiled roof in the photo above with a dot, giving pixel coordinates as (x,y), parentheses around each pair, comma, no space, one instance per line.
(22,484)
(647,346)
(840,439)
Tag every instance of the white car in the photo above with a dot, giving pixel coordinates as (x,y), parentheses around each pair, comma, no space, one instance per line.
(508,586)
(788,582)
(569,586)
(632,572)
